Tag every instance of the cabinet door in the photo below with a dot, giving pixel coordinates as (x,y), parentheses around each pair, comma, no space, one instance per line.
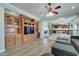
(10,41)
(18,40)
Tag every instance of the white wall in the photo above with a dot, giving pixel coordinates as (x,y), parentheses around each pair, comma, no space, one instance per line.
(77,24)
(2,42)
(62,20)
(70,19)
(44,26)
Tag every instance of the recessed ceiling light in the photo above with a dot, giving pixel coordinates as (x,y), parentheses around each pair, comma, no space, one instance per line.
(73,7)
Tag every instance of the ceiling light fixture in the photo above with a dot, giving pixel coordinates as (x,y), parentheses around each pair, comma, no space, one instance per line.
(52,9)
(50,14)
(73,7)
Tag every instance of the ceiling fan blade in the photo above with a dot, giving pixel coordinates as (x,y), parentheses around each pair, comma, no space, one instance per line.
(56,12)
(57,7)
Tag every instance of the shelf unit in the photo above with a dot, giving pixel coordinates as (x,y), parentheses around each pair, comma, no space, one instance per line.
(11,26)
(28,24)
(60,29)
(14,30)
(33,26)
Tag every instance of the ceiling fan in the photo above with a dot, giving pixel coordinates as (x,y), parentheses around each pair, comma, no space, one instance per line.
(52,9)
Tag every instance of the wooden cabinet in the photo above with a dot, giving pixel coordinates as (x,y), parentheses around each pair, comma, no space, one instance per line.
(10,30)
(15,30)
(10,41)
(29,30)
(18,40)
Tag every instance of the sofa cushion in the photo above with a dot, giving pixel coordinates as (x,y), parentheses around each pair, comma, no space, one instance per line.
(63,41)
(74,37)
(63,50)
(75,42)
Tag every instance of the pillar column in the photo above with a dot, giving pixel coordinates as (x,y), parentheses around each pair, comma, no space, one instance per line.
(2,32)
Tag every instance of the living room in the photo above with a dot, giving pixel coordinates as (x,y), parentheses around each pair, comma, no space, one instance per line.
(52,28)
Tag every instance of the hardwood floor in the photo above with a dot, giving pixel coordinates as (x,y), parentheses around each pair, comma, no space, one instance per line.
(32,48)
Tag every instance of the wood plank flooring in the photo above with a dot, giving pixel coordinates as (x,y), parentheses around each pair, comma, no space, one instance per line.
(32,48)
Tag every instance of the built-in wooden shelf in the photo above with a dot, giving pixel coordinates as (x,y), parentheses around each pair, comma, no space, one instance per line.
(14,30)
(60,28)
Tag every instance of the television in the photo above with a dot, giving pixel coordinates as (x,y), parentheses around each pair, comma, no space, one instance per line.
(29,29)
(32,29)
(26,30)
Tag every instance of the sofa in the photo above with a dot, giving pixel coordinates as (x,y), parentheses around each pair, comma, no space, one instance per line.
(63,50)
(63,47)
(75,42)
(63,41)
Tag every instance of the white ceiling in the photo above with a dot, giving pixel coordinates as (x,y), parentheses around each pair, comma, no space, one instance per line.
(38,9)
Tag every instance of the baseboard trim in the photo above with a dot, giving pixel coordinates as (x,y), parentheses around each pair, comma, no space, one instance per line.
(2,50)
